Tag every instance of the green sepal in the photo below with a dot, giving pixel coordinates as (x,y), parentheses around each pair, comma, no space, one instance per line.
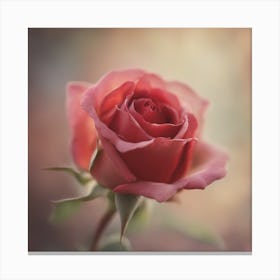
(64,208)
(94,156)
(113,244)
(126,205)
(82,177)
(142,216)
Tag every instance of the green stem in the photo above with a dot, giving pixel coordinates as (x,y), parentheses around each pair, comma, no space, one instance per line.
(101,227)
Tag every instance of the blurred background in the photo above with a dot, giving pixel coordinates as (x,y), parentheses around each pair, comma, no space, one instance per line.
(215,62)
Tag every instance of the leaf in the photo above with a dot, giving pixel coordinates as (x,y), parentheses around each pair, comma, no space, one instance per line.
(126,205)
(113,244)
(64,208)
(82,177)
(96,191)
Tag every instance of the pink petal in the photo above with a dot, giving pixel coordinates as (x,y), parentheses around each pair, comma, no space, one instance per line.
(149,111)
(192,126)
(84,135)
(154,129)
(152,85)
(113,100)
(171,91)
(112,80)
(211,168)
(89,102)
(127,128)
(188,128)
(107,173)
(186,157)
(185,161)
(95,95)
(190,100)
(157,161)
(118,163)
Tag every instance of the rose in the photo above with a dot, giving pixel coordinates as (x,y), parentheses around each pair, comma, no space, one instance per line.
(149,132)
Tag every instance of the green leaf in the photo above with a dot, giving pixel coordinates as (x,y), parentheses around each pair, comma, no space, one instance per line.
(126,205)
(113,243)
(82,177)
(95,192)
(64,208)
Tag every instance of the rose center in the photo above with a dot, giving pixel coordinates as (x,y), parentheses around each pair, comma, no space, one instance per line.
(151,111)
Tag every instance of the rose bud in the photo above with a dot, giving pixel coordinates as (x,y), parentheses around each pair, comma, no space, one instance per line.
(149,134)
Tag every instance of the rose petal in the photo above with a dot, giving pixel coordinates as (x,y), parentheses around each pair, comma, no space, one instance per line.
(189,100)
(188,128)
(127,128)
(153,86)
(184,162)
(149,110)
(156,161)
(212,168)
(113,80)
(117,161)
(187,131)
(84,135)
(106,172)
(94,96)
(154,129)
(113,99)
(88,104)
(192,126)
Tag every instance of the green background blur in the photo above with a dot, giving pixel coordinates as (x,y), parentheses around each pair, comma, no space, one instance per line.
(215,62)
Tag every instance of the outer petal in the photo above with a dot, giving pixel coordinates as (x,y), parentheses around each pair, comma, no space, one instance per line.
(112,101)
(89,103)
(117,161)
(106,173)
(211,167)
(157,161)
(113,80)
(84,135)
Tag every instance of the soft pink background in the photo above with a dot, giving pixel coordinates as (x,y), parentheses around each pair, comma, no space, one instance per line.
(215,62)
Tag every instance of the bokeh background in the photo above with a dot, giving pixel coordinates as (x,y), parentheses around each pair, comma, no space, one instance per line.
(215,62)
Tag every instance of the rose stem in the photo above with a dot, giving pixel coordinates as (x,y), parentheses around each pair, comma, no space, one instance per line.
(101,227)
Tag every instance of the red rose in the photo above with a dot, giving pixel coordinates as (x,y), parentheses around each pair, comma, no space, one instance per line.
(150,134)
